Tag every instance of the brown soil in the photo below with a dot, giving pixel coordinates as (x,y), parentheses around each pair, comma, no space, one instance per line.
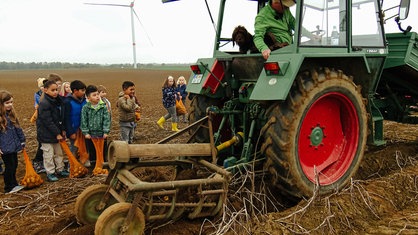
(382,198)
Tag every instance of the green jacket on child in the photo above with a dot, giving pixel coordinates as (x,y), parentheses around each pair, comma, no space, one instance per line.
(95,120)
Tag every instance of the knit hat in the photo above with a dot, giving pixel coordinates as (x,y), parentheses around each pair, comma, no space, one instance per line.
(40,82)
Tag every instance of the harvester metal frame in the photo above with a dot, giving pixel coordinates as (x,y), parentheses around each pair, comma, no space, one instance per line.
(153,201)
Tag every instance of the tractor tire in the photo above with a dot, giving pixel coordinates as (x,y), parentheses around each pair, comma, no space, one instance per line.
(86,205)
(110,222)
(317,136)
(198,108)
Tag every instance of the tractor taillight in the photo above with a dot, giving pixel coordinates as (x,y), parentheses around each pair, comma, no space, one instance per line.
(195,68)
(272,68)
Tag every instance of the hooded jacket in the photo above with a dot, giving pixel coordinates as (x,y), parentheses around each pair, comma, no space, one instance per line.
(95,121)
(182,90)
(72,114)
(49,122)
(268,20)
(12,139)
(169,96)
(126,108)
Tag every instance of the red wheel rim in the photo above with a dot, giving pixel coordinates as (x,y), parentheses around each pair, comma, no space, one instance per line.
(328,138)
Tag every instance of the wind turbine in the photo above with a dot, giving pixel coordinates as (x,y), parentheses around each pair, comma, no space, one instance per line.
(131,5)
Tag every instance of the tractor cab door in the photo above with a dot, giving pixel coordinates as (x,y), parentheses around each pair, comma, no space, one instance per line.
(336,24)
(324,23)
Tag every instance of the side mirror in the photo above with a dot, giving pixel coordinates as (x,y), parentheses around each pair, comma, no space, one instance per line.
(404,9)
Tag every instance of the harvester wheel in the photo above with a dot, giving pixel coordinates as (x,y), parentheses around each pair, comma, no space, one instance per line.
(110,222)
(318,135)
(87,205)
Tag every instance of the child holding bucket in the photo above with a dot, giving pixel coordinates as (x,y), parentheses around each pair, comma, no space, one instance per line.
(95,125)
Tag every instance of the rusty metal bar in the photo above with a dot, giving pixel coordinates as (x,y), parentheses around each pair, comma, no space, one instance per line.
(127,178)
(116,195)
(210,192)
(156,162)
(145,186)
(172,136)
(216,168)
(221,201)
(182,204)
(212,143)
(122,152)
(163,193)
(169,150)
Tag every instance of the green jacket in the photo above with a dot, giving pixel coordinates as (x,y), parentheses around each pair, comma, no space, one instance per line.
(281,28)
(95,120)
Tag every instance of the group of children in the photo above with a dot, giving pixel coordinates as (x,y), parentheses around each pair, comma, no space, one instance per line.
(65,110)
(61,117)
(172,91)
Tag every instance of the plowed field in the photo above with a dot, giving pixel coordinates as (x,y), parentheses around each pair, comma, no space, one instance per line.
(382,198)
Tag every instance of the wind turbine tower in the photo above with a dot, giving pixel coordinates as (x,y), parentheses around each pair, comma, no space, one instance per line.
(132,24)
(133,33)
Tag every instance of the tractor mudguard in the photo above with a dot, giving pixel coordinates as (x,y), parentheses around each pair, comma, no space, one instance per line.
(277,86)
(207,79)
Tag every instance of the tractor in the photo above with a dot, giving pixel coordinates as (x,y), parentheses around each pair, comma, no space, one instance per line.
(310,109)
(303,116)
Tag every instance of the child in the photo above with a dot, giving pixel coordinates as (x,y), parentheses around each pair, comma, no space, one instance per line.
(103,93)
(169,102)
(181,92)
(37,162)
(38,94)
(126,107)
(95,120)
(12,140)
(50,130)
(65,89)
(72,111)
(56,78)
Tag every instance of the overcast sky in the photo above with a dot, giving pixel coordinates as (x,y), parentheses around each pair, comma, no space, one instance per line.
(71,31)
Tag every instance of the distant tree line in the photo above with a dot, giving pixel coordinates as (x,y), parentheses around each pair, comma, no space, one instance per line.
(42,65)
(65,65)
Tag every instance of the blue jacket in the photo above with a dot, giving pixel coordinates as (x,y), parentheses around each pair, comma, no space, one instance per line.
(12,140)
(49,122)
(169,97)
(182,90)
(72,114)
(37,97)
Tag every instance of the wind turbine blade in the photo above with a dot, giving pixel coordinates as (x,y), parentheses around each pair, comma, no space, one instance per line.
(106,4)
(136,15)
(211,18)
(165,1)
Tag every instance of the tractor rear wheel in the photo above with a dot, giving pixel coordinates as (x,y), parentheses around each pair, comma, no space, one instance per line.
(318,135)
(111,221)
(87,205)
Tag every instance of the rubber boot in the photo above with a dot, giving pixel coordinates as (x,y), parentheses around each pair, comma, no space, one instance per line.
(174,126)
(161,122)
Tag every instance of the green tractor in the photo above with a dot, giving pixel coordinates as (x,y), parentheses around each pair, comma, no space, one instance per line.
(303,117)
(306,113)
